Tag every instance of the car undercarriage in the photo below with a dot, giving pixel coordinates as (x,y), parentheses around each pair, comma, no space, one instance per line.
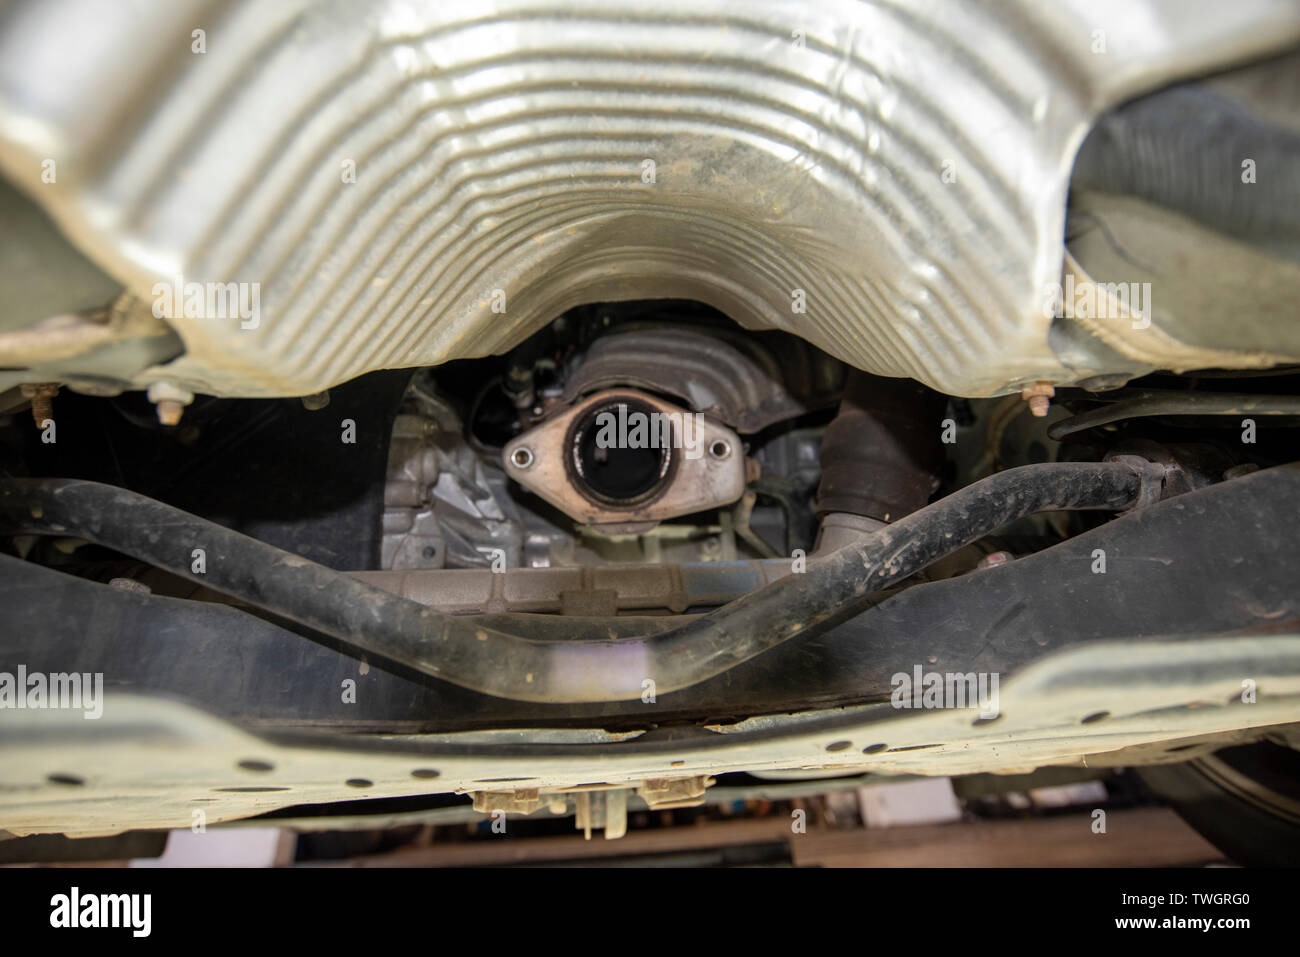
(566,409)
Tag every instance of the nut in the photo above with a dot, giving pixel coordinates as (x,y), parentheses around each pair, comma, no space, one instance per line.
(1039,396)
(169,401)
(41,394)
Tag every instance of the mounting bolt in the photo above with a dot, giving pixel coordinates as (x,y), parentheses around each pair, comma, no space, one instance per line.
(41,394)
(169,401)
(1039,396)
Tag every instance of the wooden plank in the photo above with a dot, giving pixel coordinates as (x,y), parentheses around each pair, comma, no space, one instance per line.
(1143,837)
(505,849)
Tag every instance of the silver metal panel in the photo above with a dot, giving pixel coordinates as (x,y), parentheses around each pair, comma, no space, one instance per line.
(150,762)
(502,147)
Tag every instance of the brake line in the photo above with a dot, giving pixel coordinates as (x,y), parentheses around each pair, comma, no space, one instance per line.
(1135,403)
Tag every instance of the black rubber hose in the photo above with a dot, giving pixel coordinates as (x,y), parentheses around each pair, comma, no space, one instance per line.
(486,656)
(1173,148)
(1136,403)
